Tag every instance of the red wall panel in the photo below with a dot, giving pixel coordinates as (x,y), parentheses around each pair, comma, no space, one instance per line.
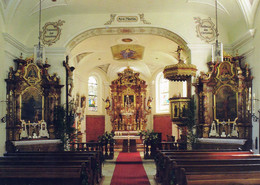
(163,124)
(95,126)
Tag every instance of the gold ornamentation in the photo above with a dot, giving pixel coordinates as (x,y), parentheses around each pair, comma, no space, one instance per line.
(32,74)
(180,71)
(128,109)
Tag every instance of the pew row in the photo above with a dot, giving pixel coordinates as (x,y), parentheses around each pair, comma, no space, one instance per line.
(44,168)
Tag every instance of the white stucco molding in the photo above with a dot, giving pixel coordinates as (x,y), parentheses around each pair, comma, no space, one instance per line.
(249,10)
(74,41)
(244,39)
(199,47)
(29,51)
(248,52)
(15,43)
(210,3)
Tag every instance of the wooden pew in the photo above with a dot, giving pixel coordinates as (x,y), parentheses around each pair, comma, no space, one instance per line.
(220,178)
(45,173)
(34,162)
(169,172)
(162,157)
(96,165)
(227,174)
(96,161)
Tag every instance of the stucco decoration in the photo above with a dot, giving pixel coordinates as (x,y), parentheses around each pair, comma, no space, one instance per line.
(129,31)
(51,32)
(127,18)
(205,29)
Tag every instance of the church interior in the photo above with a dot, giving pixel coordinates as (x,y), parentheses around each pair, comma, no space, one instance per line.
(91,87)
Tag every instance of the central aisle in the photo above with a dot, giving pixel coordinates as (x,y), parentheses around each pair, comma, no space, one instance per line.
(129,170)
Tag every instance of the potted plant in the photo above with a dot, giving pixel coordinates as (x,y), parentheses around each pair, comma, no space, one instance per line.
(150,139)
(63,125)
(190,122)
(106,138)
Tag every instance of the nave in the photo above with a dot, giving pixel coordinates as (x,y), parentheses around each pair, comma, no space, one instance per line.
(109,168)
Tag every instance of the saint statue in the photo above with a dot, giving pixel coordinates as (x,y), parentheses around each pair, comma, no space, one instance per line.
(107,101)
(149,103)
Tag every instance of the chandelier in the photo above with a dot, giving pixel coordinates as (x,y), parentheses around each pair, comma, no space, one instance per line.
(39,50)
(179,71)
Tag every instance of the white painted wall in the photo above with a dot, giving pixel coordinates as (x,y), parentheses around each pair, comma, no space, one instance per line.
(3,75)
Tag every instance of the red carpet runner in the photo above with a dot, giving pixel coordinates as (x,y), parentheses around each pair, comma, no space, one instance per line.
(129,170)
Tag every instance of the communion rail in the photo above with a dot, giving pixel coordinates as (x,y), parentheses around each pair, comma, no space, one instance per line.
(150,149)
(107,149)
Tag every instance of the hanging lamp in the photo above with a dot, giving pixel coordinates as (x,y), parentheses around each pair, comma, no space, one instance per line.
(39,50)
(217,47)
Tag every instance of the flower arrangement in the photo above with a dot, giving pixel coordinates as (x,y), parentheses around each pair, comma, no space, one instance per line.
(106,138)
(149,136)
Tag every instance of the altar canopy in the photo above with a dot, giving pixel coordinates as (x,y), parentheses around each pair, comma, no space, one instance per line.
(129,106)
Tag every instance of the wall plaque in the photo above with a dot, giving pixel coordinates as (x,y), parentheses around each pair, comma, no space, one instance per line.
(51,32)
(205,29)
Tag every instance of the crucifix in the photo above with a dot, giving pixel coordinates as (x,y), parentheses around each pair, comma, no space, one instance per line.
(69,81)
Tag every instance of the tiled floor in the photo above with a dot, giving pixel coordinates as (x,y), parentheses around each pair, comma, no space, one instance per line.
(109,167)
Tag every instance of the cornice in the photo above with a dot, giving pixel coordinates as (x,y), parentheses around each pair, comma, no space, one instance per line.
(15,43)
(29,51)
(199,47)
(244,39)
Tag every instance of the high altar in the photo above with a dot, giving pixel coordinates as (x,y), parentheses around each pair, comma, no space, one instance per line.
(129,105)
(32,95)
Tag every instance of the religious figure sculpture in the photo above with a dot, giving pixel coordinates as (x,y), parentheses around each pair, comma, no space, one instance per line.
(107,101)
(69,75)
(149,103)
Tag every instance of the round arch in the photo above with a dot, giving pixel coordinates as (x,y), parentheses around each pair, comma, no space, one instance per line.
(130,31)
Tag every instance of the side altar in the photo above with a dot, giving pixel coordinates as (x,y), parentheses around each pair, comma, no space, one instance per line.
(129,106)
(32,95)
(224,103)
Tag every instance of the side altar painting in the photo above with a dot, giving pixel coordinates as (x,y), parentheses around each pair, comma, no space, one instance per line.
(224,100)
(32,95)
(129,105)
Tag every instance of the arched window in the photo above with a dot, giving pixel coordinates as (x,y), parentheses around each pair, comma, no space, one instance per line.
(162,93)
(92,93)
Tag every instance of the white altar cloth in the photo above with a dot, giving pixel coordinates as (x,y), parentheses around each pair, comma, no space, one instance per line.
(221,141)
(36,142)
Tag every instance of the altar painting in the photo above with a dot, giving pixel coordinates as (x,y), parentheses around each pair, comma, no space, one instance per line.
(31,105)
(129,100)
(225,104)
